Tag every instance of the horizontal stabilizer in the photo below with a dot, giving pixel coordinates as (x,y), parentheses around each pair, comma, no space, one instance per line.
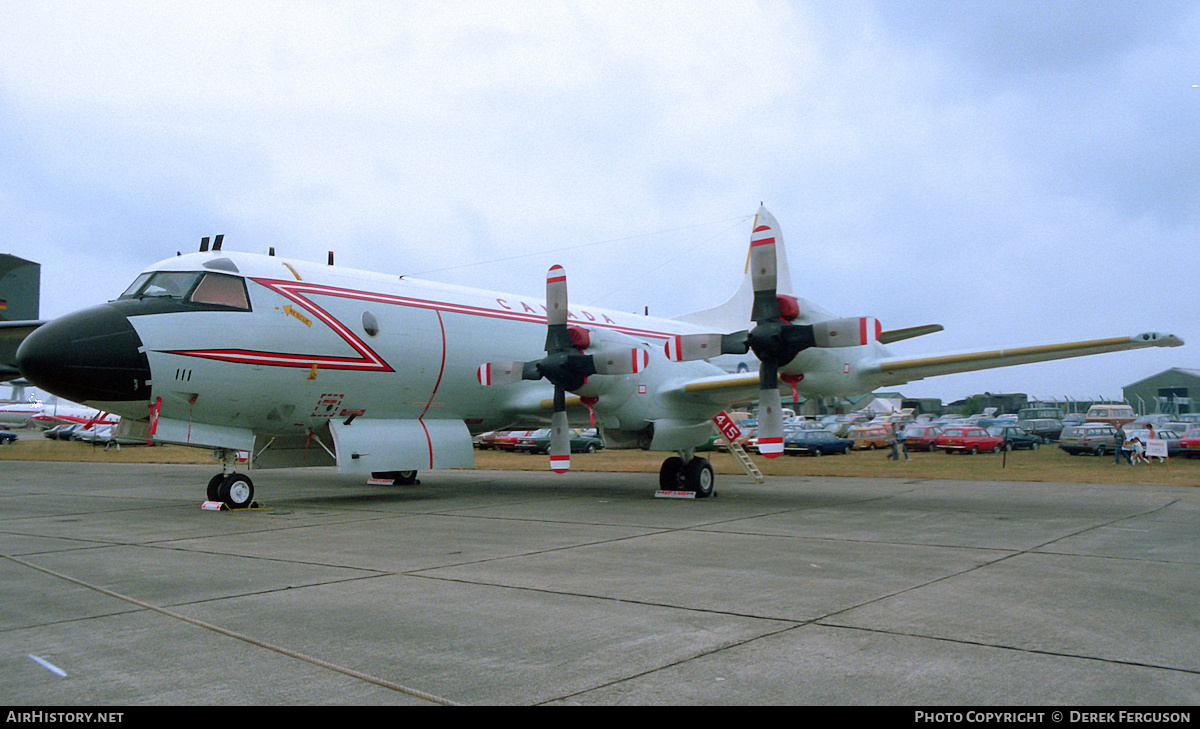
(896,335)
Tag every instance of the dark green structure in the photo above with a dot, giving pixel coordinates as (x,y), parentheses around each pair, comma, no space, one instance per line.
(1175,391)
(20,288)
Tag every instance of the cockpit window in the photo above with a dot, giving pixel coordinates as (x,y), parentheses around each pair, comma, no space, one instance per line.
(216,288)
(163,284)
(194,286)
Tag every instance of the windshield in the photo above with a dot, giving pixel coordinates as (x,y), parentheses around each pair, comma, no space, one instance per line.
(197,287)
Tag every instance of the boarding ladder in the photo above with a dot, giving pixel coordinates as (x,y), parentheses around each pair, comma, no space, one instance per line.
(743,458)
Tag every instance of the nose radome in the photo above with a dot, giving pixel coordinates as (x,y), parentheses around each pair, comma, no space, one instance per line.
(91,356)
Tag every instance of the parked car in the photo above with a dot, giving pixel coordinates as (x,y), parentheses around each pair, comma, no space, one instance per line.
(744,440)
(103,434)
(968,439)
(485,441)
(7,436)
(1016,437)
(1174,441)
(61,432)
(582,441)
(1094,438)
(920,437)
(799,441)
(870,437)
(1111,413)
(842,427)
(507,440)
(1189,444)
(1047,429)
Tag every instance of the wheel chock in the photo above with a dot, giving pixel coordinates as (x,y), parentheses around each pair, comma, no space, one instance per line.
(674,494)
(222,506)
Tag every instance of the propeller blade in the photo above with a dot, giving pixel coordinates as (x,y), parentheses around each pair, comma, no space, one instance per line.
(558,337)
(556,295)
(763,274)
(560,441)
(500,373)
(689,347)
(770,423)
(853,332)
(620,361)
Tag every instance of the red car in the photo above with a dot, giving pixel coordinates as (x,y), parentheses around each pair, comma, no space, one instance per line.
(968,439)
(1189,444)
(920,437)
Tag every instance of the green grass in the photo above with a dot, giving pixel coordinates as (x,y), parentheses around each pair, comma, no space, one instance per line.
(1048,464)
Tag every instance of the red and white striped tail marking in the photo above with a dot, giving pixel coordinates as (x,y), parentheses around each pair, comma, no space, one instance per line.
(560,464)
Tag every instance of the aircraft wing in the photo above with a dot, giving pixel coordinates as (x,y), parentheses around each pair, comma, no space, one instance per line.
(12,333)
(898,370)
(890,371)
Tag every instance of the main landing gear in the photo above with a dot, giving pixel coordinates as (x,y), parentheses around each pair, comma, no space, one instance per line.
(686,472)
(235,490)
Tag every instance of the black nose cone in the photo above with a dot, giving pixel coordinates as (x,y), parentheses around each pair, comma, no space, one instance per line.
(90,356)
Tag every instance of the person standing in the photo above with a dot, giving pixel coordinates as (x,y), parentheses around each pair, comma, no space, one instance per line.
(1119,447)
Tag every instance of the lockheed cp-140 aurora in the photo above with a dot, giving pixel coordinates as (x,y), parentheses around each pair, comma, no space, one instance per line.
(302,364)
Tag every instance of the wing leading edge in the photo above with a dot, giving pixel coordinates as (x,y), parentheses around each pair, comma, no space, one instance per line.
(867,375)
(898,370)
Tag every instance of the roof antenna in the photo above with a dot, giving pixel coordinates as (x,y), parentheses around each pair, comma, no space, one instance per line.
(271,251)
(331,258)
(217,242)
(204,244)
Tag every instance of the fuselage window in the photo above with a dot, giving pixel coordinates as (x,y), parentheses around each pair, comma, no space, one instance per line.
(221,290)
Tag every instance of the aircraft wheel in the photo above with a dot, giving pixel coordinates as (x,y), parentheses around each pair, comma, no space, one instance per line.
(237,491)
(670,476)
(214,487)
(698,477)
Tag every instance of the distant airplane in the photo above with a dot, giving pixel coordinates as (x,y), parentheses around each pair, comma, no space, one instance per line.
(37,413)
(299,364)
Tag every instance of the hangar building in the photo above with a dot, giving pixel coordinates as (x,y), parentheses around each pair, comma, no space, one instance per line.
(1175,391)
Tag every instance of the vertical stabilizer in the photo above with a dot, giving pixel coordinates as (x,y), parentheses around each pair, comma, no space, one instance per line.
(734,314)
(20,288)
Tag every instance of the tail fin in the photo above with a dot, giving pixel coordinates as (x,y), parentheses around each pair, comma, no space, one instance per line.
(20,283)
(734,314)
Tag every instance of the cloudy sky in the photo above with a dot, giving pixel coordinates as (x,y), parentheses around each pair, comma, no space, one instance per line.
(1021,173)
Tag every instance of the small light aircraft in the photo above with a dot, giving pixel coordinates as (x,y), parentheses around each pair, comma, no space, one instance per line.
(300,364)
